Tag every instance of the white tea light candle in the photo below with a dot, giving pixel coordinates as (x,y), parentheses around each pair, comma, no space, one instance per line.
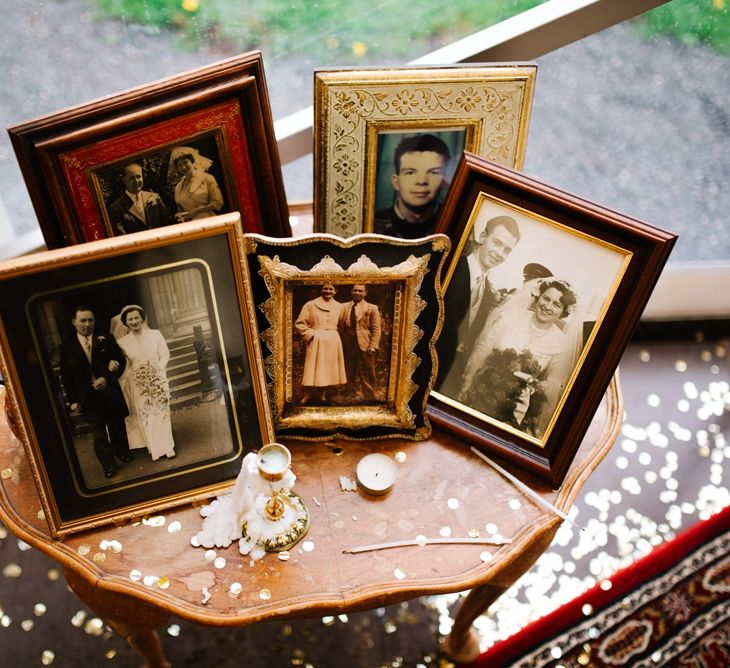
(376,473)
(273,461)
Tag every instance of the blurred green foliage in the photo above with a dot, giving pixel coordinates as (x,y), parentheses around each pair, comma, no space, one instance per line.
(319,28)
(691,22)
(357,30)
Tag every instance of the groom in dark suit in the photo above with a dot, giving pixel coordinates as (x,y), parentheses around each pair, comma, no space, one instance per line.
(136,209)
(469,299)
(90,368)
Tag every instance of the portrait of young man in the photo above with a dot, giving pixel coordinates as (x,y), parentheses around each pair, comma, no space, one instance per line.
(413,175)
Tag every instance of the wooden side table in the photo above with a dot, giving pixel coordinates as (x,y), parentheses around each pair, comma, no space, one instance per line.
(137,574)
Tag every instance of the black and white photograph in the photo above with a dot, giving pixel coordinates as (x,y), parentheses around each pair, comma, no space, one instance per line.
(414,170)
(132,370)
(521,304)
(135,361)
(176,184)
(342,343)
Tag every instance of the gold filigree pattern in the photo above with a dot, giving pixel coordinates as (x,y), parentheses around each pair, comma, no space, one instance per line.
(496,101)
(406,278)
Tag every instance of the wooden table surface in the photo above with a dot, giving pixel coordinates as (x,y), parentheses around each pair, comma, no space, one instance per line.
(440,484)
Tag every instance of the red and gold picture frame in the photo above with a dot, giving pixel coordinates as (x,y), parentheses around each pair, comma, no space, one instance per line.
(193,145)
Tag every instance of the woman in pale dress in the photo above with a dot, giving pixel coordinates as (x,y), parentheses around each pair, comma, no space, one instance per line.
(145,385)
(324,362)
(197,194)
(525,356)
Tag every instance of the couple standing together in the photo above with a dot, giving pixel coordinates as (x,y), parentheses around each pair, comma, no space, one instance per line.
(342,341)
(120,387)
(507,356)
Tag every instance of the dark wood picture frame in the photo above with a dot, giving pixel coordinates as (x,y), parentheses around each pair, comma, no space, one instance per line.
(498,387)
(73,160)
(204,381)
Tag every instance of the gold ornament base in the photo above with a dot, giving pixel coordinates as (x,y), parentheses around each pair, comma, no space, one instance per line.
(291,536)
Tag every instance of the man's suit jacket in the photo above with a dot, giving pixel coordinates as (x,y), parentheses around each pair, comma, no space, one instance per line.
(78,375)
(367,326)
(125,219)
(458,336)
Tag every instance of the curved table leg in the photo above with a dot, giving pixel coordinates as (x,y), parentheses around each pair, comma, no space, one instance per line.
(462,644)
(131,619)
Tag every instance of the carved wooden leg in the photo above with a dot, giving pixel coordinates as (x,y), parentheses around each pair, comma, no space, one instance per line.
(134,621)
(462,644)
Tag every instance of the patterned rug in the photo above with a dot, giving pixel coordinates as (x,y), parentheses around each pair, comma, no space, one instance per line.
(671,608)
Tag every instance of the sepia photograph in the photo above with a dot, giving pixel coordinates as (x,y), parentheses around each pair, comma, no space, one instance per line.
(342,343)
(413,174)
(133,371)
(541,295)
(176,184)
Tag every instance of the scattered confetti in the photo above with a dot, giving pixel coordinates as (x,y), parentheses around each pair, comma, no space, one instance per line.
(12,571)
(6,474)
(400,456)
(347,484)
(47,657)
(206,595)
(173,630)
(236,588)
(308,546)
(283,555)
(399,574)
(174,527)
(265,594)
(453,504)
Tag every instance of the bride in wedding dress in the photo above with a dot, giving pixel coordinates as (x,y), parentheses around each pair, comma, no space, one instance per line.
(145,385)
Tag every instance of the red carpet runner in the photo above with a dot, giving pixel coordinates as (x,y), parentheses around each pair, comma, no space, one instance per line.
(670,608)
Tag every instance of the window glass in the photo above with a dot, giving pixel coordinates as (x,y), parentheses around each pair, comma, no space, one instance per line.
(637,118)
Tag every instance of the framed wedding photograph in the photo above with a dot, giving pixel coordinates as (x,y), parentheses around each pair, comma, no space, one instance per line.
(134,375)
(387,141)
(347,330)
(541,295)
(183,148)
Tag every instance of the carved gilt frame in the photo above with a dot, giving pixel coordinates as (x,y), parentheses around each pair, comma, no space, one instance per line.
(490,103)
(401,284)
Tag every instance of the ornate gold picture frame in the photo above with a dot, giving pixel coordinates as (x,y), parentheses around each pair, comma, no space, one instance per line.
(134,377)
(366,120)
(348,328)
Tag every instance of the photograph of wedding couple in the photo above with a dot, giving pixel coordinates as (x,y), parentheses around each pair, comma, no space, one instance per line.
(170,185)
(521,304)
(342,343)
(136,375)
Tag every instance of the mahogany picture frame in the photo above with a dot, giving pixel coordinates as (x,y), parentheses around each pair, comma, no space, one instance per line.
(74,161)
(565,269)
